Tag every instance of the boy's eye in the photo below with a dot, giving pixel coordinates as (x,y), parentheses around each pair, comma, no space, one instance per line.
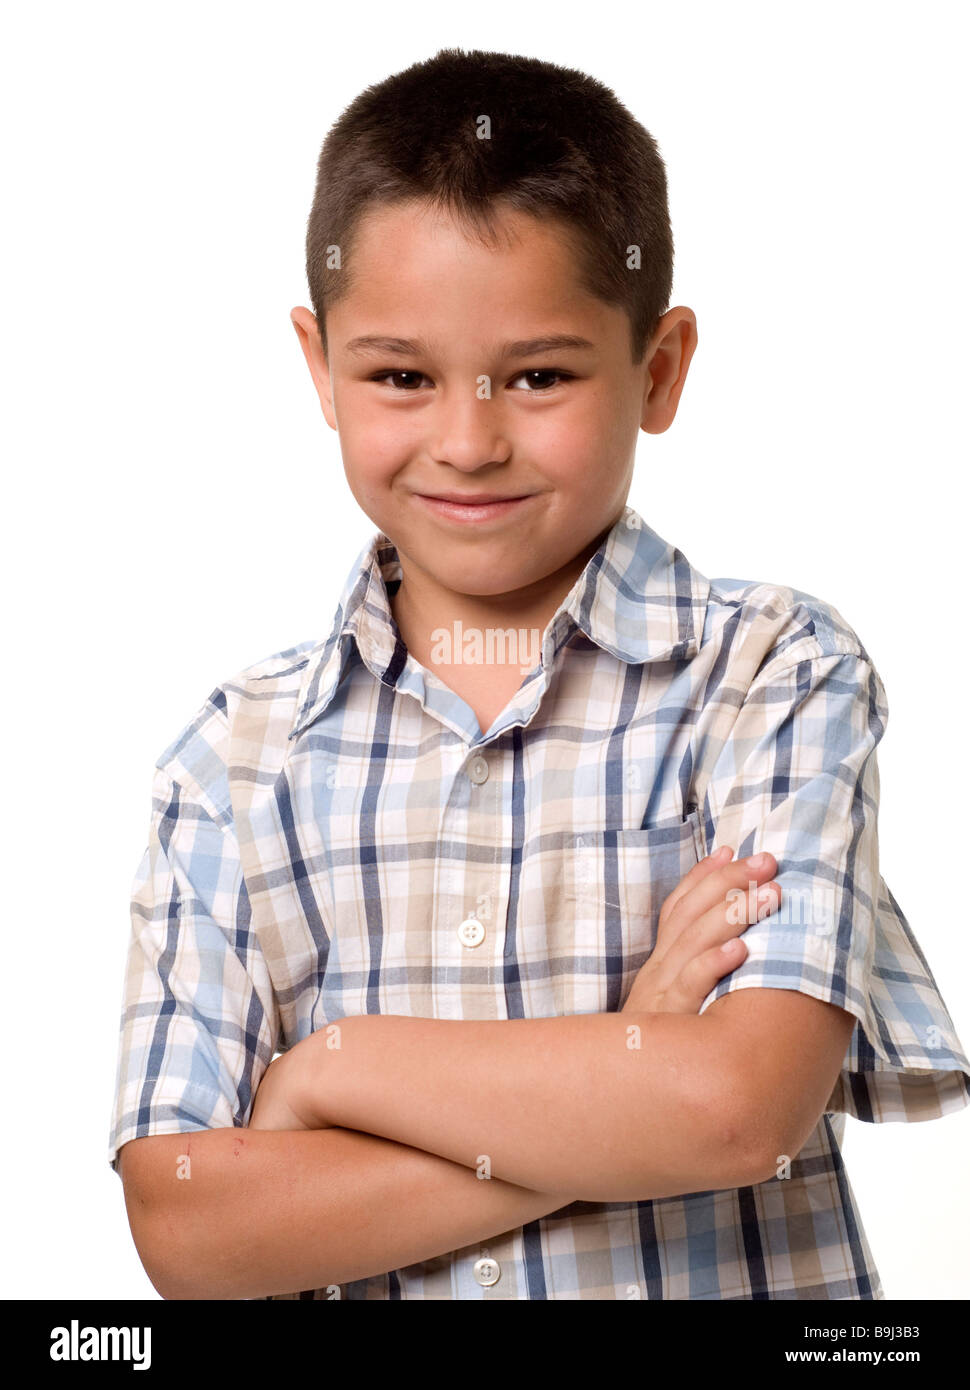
(381,376)
(409,381)
(542,372)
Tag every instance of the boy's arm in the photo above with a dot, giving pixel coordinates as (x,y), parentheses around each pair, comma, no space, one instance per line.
(604,1107)
(613,1107)
(267,1212)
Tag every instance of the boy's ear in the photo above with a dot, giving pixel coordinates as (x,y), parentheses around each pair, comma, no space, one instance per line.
(308,333)
(668,357)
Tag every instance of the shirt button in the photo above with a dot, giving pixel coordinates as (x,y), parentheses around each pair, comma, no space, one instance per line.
(471,932)
(478,771)
(487,1271)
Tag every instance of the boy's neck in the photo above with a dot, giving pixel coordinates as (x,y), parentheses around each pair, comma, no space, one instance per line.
(421,606)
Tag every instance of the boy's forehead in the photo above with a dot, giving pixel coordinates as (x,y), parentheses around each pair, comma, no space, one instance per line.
(431,243)
(415,258)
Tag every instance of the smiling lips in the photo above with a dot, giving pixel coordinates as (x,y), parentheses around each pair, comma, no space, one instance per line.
(470,507)
(472,499)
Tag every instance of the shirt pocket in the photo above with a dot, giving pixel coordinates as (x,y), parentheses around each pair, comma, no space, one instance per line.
(614,885)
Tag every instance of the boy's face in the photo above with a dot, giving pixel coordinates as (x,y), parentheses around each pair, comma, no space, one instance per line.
(459,412)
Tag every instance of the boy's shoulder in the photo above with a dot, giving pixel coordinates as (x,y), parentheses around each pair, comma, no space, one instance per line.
(197,759)
(784,624)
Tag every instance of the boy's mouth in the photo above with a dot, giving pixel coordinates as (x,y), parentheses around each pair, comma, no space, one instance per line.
(473,507)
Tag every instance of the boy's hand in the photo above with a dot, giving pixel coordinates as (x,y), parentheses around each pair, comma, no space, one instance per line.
(696,919)
(279,1100)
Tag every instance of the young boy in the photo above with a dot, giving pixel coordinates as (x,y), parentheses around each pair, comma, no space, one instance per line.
(468,864)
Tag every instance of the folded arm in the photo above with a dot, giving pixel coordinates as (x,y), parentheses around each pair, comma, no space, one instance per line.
(266,1212)
(269,1211)
(603,1107)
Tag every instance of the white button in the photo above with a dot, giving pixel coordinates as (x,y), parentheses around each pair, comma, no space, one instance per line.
(487,1271)
(478,771)
(471,932)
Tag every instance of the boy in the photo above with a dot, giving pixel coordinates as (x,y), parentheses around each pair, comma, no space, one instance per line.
(453,862)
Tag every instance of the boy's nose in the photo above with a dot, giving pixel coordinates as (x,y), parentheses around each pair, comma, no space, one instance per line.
(468,431)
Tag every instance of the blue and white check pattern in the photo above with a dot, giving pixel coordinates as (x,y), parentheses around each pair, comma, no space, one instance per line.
(332,814)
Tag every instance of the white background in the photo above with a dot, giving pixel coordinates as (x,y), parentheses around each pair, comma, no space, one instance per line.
(177,507)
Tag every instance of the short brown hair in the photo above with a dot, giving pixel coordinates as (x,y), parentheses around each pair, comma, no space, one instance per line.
(561,145)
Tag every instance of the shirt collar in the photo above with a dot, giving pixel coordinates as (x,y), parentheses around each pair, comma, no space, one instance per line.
(638,597)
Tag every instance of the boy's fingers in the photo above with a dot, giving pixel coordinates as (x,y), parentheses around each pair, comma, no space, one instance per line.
(693,896)
(703,972)
(701,869)
(700,938)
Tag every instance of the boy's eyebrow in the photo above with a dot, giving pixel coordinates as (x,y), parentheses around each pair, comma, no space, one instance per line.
(521,347)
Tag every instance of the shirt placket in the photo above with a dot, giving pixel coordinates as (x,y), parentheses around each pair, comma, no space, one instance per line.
(471,906)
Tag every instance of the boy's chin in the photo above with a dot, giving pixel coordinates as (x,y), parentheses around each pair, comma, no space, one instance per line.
(490,582)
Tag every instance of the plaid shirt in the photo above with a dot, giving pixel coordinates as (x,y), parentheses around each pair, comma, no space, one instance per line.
(333,814)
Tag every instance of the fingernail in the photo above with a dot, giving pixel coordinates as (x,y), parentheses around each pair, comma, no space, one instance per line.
(757,861)
(720,855)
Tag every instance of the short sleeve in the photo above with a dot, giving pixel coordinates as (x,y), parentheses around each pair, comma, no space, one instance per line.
(798,776)
(198,1023)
